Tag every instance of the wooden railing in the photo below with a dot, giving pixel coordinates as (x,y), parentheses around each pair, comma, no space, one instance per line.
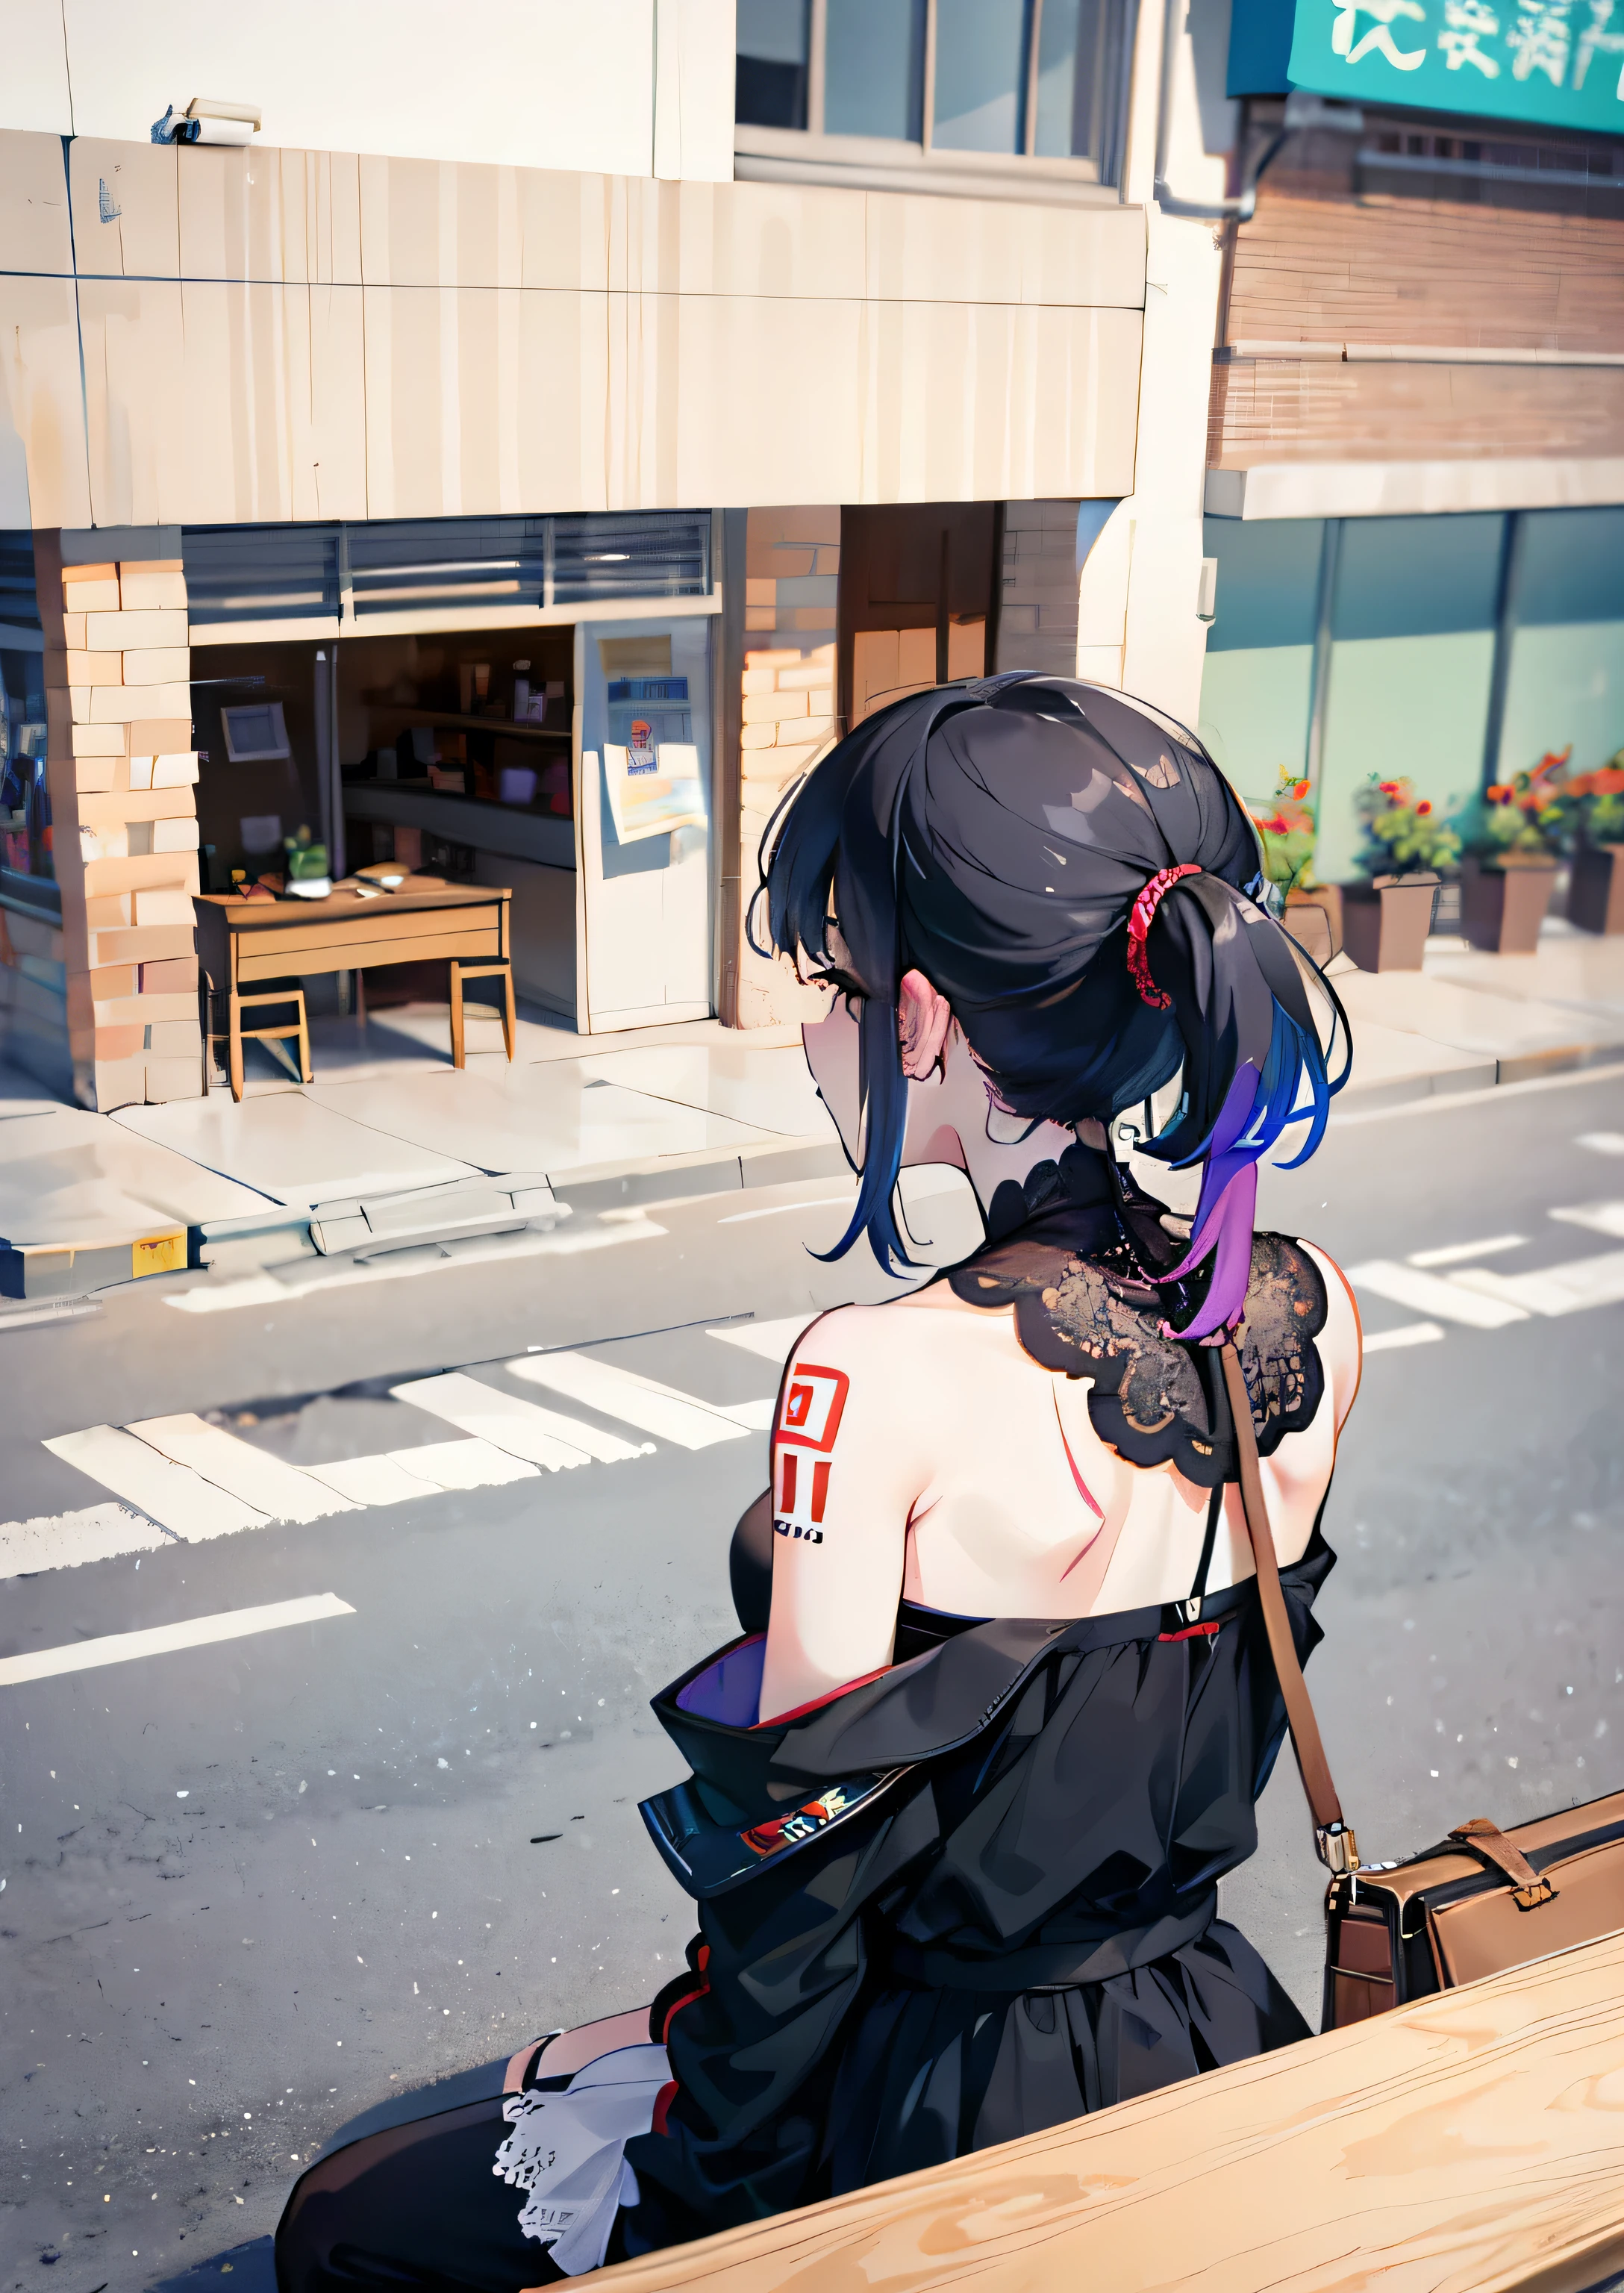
(1470,2143)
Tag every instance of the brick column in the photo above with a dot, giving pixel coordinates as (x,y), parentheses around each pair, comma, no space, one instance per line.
(122,773)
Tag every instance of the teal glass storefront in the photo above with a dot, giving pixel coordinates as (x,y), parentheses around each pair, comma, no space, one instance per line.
(1342,647)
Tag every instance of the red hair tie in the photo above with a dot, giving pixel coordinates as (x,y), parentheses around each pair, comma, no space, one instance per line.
(1138,927)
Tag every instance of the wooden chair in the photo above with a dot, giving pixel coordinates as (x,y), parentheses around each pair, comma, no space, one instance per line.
(268,992)
(461,968)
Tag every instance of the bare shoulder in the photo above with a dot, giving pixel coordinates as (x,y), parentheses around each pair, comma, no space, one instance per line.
(1341,1344)
(898,1329)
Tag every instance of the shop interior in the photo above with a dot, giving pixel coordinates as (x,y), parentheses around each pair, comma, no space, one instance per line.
(454,754)
(455,760)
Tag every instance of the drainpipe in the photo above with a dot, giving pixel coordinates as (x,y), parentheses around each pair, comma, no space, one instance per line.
(1303,111)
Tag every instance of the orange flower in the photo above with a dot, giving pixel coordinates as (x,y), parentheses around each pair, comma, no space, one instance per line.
(1497,792)
(1608,781)
(1423,809)
(1303,787)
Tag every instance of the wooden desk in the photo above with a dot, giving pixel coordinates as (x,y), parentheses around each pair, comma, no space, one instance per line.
(243,941)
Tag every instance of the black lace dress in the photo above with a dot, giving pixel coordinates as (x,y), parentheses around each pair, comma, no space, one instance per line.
(977,1896)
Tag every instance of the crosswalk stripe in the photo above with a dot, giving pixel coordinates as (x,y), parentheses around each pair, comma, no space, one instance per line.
(1570,1289)
(1457,1253)
(468,1465)
(755,1416)
(1599,1217)
(176,1498)
(1413,1334)
(524,1429)
(280,1490)
(375,1480)
(67,1540)
(770,1340)
(1450,1300)
(641,1401)
(162,1640)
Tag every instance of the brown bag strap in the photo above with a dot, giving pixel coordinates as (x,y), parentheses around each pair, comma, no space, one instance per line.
(1333,1838)
(1489,1840)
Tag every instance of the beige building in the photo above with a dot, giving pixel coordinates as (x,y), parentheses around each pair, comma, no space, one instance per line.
(414,456)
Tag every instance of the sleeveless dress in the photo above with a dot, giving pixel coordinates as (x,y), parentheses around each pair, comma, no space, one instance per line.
(977,1896)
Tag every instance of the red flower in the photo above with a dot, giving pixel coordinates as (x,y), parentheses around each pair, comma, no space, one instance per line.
(1422,810)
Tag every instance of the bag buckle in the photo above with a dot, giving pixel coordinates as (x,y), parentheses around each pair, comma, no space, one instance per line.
(1338,1850)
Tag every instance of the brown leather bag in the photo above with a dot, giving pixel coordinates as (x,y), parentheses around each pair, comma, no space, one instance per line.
(1483,1900)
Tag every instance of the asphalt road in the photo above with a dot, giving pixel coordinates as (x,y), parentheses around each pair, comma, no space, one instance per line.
(253,1888)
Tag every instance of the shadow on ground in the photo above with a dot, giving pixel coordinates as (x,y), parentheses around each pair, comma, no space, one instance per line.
(252,2267)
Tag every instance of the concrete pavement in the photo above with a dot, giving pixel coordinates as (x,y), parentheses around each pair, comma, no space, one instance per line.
(390,1149)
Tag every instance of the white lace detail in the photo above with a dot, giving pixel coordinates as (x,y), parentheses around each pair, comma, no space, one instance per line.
(567,2150)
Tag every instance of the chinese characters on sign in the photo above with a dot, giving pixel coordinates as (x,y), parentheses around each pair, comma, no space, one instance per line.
(1557,62)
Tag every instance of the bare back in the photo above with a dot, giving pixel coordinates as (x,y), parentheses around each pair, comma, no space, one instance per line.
(935,1460)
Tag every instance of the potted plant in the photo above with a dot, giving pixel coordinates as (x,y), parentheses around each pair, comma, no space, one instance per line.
(307,867)
(1286,831)
(1596,896)
(1522,827)
(1409,846)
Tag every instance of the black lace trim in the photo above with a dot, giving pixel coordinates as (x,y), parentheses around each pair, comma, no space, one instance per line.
(1078,1272)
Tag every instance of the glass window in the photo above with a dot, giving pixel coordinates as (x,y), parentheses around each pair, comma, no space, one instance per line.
(1045,77)
(980,74)
(874,65)
(1056,77)
(1081,60)
(770,75)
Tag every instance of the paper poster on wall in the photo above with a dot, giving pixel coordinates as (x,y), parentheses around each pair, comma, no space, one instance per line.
(653,787)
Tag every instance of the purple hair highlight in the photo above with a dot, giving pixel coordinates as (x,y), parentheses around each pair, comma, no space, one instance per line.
(1225,1213)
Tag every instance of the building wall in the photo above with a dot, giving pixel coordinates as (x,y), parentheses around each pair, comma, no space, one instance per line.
(1343,269)
(634,87)
(1038,600)
(288,334)
(122,775)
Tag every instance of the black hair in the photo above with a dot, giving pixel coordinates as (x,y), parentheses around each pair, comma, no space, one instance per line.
(996,835)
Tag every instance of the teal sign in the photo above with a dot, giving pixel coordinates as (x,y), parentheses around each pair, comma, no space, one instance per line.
(1557,62)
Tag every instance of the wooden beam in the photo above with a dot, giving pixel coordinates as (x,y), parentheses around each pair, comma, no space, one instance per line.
(1471,2143)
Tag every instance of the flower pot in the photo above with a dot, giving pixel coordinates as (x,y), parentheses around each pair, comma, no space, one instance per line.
(1596,895)
(1314,920)
(1503,902)
(1384,924)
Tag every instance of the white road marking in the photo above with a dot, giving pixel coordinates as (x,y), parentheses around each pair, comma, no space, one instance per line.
(1600,1217)
(641,1401)
(177,1498)
(462,1466)
(162,1640)
(524,1429)
(280,1490)
(778,1210)
(1457,1253)
(1602,1142)
(755,1416)
(1413,1334)
(370,1480)
(1558,1289)
(1451,1301)
(67,1540)
(770,1340)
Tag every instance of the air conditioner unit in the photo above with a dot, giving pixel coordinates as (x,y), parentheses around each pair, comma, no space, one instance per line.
(209,119)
